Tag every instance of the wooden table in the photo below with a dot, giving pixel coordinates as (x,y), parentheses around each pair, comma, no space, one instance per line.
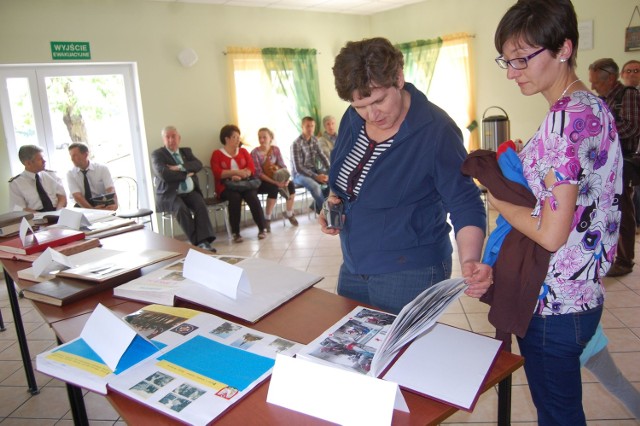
(301,319)
(135,241)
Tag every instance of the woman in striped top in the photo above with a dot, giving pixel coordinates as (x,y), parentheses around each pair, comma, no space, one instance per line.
(396,169)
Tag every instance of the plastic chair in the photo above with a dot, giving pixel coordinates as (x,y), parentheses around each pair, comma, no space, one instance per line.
(167,216)
(305,195)
(207,185)
(128,200)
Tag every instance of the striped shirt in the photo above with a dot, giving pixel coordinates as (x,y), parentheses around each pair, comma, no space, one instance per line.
(358,162)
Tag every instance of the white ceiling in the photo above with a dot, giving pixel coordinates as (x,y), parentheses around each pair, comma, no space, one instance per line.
(356,7)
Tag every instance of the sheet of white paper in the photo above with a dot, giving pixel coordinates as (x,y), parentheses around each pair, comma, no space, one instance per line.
(72,219)
(107,335)
(215,274)
(24,229)
(333,394)
(50,260)
(447,363)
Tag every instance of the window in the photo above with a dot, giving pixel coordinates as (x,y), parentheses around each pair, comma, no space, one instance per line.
(55,105)
(271,97)
(448,83)
(451,85)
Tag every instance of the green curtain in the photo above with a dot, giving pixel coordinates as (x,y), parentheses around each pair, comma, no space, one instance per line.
(420,58)
(294,74)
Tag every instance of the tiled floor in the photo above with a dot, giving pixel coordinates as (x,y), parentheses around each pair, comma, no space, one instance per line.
(308,249)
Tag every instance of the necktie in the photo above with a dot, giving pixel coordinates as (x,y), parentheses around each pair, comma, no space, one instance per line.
(183,184)
(87,188)
(47,205)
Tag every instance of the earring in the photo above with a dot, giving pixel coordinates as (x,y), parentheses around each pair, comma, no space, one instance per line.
(563,59)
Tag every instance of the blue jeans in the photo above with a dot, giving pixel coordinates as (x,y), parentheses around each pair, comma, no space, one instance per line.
(551,350)
(390,292)
(315,188)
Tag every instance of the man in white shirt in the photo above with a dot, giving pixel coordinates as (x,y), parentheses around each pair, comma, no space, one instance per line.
(88,180)
(36,189)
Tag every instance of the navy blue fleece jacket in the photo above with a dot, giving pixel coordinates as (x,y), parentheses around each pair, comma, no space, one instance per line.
(399,220)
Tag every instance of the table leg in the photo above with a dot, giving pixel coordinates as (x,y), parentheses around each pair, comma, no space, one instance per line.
(76,402)
(504,402)
(20,334)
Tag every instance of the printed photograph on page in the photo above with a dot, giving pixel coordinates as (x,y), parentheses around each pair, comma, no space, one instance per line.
(354,343)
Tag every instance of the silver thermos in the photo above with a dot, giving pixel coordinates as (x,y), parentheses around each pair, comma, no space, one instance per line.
(495,129)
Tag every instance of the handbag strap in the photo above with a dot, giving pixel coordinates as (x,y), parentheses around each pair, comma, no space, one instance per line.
(635,9)
(267,163)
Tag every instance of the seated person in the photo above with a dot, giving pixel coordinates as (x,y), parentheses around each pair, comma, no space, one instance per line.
(234,163)
(267,160)
(88,180)
(309,165)
(178,190)
(36,189)
(328,138)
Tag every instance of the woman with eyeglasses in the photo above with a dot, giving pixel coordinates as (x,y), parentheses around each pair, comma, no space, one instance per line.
(573,166)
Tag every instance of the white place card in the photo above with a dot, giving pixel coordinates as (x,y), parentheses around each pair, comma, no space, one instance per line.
(216,274)
(72,219)
(331,393)
(50,260)
(107,335)
(25,228)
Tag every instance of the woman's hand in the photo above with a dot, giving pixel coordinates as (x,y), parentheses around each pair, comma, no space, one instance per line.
(478,276)
(519,144)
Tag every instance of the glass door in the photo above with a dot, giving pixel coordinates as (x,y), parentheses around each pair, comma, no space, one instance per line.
(55,105)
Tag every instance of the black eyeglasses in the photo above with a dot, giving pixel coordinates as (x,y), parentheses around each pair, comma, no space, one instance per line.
(517,63)
(635,71)
(606,70)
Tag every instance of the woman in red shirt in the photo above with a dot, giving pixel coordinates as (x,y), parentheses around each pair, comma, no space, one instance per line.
(232,162)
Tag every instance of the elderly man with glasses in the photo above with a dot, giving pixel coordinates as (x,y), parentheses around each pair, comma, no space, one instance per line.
(624,102)
(630,74)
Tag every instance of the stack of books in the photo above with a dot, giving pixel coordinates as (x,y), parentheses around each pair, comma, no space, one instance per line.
(41,240)
(98,269)
(10,222)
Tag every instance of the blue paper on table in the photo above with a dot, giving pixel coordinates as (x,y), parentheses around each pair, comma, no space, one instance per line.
(139,349)
(231,366)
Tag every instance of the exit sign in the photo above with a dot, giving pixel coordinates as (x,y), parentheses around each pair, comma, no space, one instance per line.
(70,50)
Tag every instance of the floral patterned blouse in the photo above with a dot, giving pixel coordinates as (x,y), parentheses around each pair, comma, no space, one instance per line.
(579,142)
